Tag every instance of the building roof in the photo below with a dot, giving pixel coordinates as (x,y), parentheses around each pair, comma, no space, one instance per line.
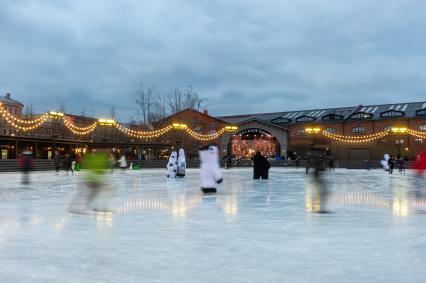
(9,101)
(407,110)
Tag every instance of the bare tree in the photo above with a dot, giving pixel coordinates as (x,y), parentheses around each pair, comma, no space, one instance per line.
(153,106)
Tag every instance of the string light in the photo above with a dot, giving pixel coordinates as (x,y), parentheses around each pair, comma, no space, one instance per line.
(79,130)
(356,139)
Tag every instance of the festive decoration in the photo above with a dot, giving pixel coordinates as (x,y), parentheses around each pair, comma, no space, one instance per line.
(143,134)
(417,134)
(79,130)
(356,139)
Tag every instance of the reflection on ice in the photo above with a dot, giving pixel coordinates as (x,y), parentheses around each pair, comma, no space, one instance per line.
(143,227)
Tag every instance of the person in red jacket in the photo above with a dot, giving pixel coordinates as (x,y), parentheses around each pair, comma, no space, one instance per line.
(420,165)
(26,164)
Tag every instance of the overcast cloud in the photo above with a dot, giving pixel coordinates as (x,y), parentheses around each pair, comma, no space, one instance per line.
(244,56)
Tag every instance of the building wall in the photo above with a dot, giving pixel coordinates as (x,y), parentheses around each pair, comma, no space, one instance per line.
(411,146)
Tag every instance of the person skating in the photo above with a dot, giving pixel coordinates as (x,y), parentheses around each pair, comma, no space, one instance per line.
(181,166)
(391,164)
(123,163)
(26,164)
(57,161)
(111,161)
(68,164)
(209,169)
(172,165)
(96,164)
(260,166)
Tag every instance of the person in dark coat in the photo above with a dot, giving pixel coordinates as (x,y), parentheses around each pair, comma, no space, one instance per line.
(261,166)
(57,161)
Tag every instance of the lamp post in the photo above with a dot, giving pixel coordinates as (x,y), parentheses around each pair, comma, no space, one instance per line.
(230,129)
(399,142)
(313,132)
(106,123)
(55,116)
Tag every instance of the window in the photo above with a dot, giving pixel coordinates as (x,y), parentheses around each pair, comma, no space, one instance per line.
(4,132)
(399,141)
(418,141)
(422,127)
(305,119)
(330,130)
(280,121)
(392,113)
(332,117)
(300,132)
(387,128)
(358,130)
(360,116)
(421,112)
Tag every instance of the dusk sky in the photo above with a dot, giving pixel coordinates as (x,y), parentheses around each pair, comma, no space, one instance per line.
(244,56)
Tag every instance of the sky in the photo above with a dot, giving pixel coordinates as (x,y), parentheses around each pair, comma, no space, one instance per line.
(243,56)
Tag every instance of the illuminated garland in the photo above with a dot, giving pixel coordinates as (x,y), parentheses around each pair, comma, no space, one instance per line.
(417,134)
(355,139)
(79,130)
(372,136)
(25,128)
(16,120)
(205,137)
(143,134)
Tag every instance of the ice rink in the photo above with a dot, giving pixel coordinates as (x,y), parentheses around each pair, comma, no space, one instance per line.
(146,228)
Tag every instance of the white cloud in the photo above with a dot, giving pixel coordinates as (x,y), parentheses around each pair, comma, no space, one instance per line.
(245,56)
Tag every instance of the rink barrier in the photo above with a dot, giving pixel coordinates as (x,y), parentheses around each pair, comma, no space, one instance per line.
(12,165)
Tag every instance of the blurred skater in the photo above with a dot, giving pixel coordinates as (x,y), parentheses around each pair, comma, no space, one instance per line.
(308,163)
(330,162)
(320,190)
(401,165)
(111,161)
(181,166)
(260,166)
(96,164)
(68,164)
(57,161)
(26,164)
(391,164)
(209,169)
(123,163)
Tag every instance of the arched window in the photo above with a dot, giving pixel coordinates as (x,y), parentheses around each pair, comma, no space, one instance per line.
(300,131)
(387,128)
(330,130)
(358,130)
(280,121)
(360,116)
(421,112)
(392,113)
(422,127)
(305,119)
(332,117)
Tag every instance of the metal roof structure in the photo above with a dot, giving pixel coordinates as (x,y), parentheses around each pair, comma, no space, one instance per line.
(379,111)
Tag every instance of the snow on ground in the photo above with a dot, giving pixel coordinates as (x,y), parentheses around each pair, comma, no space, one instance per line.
(146,228)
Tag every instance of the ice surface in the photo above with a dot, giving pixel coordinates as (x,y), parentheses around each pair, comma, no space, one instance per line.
(151,229)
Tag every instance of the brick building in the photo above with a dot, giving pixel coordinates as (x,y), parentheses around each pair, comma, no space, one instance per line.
(362,120)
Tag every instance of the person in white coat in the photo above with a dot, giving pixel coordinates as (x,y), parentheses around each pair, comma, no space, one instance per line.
(123,163)
(385,161)
(172,165)
(209,169)
(181,166)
